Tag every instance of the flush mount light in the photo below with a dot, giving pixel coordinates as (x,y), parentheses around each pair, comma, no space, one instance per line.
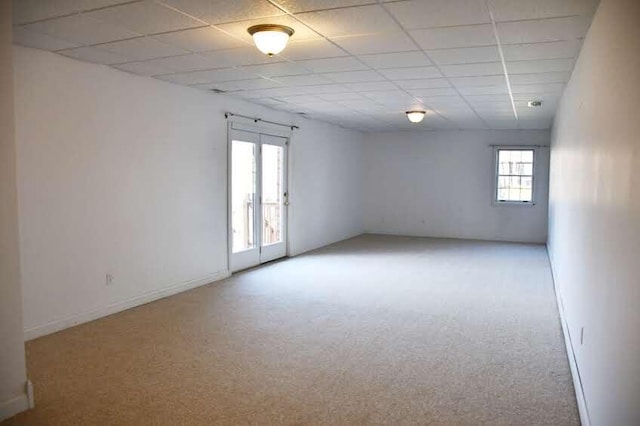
(270,39)
(415,116)
(533,104)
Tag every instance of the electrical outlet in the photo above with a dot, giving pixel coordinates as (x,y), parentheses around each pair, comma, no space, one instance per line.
(109,279)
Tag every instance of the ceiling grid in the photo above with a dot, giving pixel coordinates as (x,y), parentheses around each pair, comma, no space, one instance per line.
(358,63)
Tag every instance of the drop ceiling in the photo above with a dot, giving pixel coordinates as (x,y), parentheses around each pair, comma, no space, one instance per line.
(471,64)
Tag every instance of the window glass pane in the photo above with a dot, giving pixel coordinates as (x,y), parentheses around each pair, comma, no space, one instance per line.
(272,194)
(243,184)
(515,175)
(504,156)
(514,194)
(503,182)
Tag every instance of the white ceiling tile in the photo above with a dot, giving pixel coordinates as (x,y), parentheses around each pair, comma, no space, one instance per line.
(220,11)
(278,91)
(514,10)
(540,78)
(183,63)
(239,56)
(431,83)
(375,43)
(270,102)
(35,10)
(81,29)
(533,124)
(389,96)
(297,6)
(229,86)
(543,30)
(349,96)
(415,14)
(207,76)
(303,80)
(448,102)
(139,49)
(350,21)
(485,80)
(485,90)
(471,122)
(396,60)
(543,65)
(333,64)
(475,99)
(142,68)
(411,73)
(465,55)
(459,113)
(322,106)
(239,29)
(325,89)
(200,39)
(443,91)
(544,97)
(311,49)
(538,88)
(363,105)
(471,70)
(549,50)
(453,37)
(27,38)
(300,99)
(94,54)
(145,17)
(371,86)
(353,76)
(277,69)
(501,123)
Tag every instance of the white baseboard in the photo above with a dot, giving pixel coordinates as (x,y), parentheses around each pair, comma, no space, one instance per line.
(70,321)
(17,404)
(575,371)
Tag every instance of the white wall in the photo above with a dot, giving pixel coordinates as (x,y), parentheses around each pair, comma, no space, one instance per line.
(12,363)
(594,214)
(440,184)
(126,175)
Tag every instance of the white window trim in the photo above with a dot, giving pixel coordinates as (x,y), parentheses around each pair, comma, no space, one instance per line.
(534,191)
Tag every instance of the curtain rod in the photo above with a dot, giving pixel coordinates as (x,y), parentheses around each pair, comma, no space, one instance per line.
(256,119)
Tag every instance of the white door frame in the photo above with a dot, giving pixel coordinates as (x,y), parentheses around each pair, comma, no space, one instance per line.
(251,260)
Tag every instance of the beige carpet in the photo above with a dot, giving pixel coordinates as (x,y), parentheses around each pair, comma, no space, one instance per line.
(373,330)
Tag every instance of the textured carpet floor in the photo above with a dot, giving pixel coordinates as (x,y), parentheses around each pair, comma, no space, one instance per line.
(373,330)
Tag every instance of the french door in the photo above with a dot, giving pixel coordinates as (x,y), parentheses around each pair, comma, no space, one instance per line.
(258,198)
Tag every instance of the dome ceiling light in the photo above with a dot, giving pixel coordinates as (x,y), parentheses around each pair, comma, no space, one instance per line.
(415,116)
(270,39)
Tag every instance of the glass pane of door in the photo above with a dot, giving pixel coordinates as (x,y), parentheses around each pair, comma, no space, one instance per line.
(243,195)
(272,194)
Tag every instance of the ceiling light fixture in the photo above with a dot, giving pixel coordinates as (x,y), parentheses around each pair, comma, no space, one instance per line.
(270,39)
(415,116)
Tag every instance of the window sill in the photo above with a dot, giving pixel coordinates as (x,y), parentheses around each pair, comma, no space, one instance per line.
(514,203)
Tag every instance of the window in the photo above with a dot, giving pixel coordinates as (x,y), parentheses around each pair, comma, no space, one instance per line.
(514,175)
